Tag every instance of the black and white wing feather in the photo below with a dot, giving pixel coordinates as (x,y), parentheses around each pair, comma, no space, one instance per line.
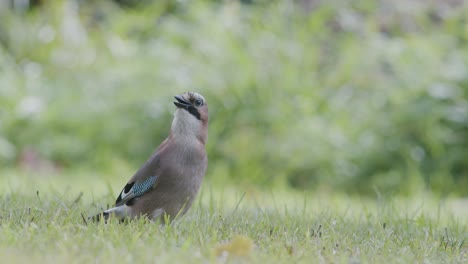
(135,189)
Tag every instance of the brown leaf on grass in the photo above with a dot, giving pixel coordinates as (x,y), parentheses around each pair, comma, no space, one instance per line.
(290,249)
(238,246)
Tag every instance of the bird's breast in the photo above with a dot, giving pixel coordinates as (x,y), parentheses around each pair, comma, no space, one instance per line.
(186,161)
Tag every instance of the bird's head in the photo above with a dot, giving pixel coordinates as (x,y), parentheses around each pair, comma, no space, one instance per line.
(191,116)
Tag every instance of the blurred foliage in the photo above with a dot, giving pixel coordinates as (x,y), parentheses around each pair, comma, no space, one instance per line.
(356,96)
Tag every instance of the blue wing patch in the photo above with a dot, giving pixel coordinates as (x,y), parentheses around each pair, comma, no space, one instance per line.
(135,189)
(139,188)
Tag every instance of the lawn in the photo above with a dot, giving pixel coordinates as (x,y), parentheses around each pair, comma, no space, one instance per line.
(41,220)
(330,121)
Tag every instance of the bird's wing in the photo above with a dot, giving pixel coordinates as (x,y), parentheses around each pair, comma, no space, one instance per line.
(145,179)
(135,189)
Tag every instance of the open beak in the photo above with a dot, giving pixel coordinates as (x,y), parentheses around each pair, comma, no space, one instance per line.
(181,103)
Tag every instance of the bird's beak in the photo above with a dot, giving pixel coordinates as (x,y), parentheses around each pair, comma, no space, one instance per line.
(181,102)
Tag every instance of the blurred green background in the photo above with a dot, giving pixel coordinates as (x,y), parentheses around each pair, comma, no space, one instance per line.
(348,96)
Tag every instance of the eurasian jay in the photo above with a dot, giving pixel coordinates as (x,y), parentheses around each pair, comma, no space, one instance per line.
(170,179)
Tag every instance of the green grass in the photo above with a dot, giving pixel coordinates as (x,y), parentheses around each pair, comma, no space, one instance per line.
(41,221)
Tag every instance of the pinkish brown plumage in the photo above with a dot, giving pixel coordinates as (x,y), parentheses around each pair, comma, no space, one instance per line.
(170,179)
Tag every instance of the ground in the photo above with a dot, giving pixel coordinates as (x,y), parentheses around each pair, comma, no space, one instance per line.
(43,219)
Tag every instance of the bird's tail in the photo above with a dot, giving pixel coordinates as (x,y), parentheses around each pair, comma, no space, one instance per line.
(99,217)
(121,212)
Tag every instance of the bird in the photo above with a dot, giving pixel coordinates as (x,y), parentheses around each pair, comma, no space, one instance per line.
(166,185)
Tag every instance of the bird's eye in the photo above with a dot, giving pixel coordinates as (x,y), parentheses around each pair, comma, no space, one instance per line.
(198,102)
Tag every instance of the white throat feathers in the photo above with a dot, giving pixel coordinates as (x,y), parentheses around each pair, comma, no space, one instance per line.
(185,125)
